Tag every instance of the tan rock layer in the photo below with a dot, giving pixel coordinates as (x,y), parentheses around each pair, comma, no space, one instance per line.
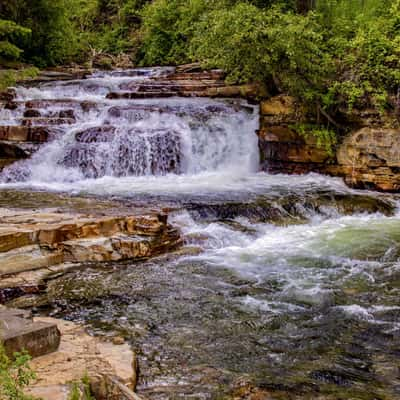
(32,241)
(36,134)
(367,158)
(109,367)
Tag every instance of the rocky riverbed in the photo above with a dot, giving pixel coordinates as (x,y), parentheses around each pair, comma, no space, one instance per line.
(144,216)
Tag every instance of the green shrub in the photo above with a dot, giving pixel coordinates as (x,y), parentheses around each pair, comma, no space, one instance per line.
(10,77)
(15,375)
(9,32)
(81,390)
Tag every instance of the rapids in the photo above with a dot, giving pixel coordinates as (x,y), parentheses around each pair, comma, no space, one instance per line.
(289,285)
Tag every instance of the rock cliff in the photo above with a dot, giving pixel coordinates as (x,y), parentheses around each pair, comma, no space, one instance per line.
(368,157)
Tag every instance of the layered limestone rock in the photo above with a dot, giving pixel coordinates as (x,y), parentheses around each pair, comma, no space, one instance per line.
(30,241)
(370,158)
(367,157)
(282,149)
(190,82)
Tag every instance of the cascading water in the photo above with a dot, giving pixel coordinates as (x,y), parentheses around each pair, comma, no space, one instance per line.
(127,138)
(291,284)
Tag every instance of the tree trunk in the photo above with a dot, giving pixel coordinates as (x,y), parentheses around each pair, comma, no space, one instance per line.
(304,6)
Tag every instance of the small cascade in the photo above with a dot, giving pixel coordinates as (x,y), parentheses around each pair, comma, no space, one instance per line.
(91,136)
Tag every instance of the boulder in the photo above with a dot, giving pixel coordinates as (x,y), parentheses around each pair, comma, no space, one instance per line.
(18,334)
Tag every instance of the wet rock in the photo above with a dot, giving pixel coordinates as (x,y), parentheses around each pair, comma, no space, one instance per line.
(46,121)
(32,113)
(67,114)
(96,134)
(60,103)
(11,105)
(11,150)
(8,95)
(140,95)
(13,133)
(287,210)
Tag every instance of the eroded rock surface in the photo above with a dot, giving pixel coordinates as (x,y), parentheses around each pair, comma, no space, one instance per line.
(36,245)
(31,241)
(368,157)
(110,368)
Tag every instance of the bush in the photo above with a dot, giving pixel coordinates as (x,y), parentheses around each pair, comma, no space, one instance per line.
(9,33)
(10,77)
(15,375)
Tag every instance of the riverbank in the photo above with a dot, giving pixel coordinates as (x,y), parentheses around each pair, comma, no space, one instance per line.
(66,358)
(367,157)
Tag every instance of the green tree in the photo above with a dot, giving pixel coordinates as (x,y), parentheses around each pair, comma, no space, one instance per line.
(9,33)
(52,39)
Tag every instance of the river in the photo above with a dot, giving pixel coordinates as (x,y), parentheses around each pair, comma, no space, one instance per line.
(288,287)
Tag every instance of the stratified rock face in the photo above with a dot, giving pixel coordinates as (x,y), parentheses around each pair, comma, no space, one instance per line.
(282,150)
(30,241)
(370,158)
(18,333)
(367,158)
(109,367)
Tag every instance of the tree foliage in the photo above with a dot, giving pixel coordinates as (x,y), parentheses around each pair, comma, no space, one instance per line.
(15,376)
(10,32)
(330,54)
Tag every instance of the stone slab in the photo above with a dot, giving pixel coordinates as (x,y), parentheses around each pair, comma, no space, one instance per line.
(18,334)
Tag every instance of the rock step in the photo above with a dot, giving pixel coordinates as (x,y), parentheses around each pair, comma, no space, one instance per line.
(46,121)
(59,103)
(98,249)
(14,151)
(51,76)
(18,334)
(140,95)
(34,241)
(14,133)
(8,95)
(213,75)
(176,86)
(47,229)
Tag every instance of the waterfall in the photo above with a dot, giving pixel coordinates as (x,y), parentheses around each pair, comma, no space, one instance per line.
(95,137)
